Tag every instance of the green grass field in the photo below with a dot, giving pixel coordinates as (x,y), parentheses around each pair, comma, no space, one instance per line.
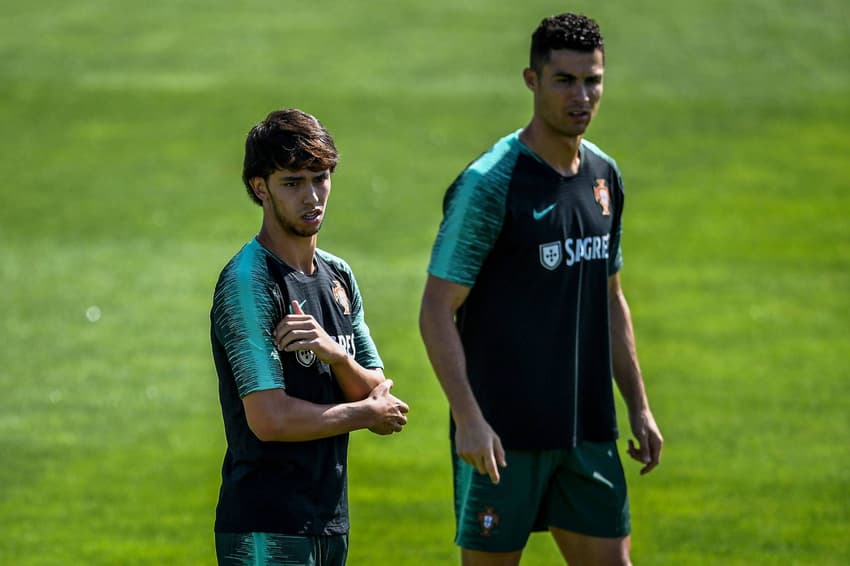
(123,126)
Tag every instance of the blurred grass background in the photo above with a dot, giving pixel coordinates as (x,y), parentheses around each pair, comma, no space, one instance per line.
(123,128)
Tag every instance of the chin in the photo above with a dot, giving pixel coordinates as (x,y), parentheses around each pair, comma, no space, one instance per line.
(570,130)
(308,233)
(311,232)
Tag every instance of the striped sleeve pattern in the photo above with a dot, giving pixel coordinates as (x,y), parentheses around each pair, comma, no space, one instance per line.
(473,214)
(366,352)
(244,316)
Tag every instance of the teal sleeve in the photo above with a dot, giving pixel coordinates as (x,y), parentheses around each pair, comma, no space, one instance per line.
(615,259)
(615,255)
(473,214)
(366,352)
(244,317)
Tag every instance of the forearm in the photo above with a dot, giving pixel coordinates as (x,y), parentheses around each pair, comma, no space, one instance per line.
(627,373)
(445,351)
(355,381)
(280,417)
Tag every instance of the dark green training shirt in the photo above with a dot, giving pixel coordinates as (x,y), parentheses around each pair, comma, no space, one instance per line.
(537,249)
(294,488)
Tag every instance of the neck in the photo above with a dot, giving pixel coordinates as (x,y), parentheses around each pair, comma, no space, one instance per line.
(559,151)
(297,252)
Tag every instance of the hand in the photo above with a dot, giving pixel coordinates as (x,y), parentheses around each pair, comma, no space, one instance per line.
(649,440)
(389,410)
(478,445)
(300,331)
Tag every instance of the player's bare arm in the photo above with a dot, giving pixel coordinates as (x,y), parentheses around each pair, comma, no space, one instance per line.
(475,441)
(300,331)
(273,415)
(629,381)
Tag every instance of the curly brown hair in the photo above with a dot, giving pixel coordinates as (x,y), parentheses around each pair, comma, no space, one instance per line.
(287,139)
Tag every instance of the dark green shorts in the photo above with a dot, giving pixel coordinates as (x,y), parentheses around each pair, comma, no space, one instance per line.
(582,490)
(272,549)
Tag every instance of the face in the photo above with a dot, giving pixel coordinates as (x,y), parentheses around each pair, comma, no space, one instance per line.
(567,90)
(296,200)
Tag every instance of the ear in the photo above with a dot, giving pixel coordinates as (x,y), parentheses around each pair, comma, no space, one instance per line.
(529,75)
(258,185)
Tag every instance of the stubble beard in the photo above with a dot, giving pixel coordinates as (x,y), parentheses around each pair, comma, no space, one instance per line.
(291,228)
(567,129)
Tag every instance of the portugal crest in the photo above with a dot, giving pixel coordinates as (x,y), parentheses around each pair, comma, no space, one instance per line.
(550,255)
(488,521)
(341,297)
(602,196)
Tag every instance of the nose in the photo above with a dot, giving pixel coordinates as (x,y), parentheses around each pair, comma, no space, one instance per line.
(582,92)
(311,195)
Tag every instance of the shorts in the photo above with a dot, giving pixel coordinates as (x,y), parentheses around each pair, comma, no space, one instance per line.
(272,549)
(582,490)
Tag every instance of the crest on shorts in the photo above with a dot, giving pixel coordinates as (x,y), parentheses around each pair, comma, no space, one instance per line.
(341,296)
(550,255)
(488,519)
(602,196)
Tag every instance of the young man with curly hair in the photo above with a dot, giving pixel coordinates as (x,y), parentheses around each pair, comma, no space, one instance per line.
(526,324)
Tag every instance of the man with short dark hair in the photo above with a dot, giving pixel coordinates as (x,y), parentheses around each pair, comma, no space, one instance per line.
(525,323)
(297,367)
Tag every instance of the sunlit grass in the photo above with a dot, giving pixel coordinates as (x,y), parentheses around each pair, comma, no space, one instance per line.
(123,127)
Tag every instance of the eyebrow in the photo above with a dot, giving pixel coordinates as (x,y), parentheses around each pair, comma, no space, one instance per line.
(302,177)
(569,74)
(290,179)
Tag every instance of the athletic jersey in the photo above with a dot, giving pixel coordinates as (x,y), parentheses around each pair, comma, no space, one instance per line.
(536,248)
(294,488)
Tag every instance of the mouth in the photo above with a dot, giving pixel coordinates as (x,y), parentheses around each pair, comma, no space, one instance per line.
(312,216)
(579,114)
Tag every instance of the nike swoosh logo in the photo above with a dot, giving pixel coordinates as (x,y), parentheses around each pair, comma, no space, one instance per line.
(599,477)
(300,305)
(538,215)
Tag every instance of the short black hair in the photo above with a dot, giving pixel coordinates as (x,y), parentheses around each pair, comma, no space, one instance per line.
(564,31)
(287,139)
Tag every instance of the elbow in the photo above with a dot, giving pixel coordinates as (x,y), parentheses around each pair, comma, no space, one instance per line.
(275,432)
(269,426)
(264,429)
(264,435)
(422,320)
(440,303)
(267,414)
(428,315)
(429,328)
